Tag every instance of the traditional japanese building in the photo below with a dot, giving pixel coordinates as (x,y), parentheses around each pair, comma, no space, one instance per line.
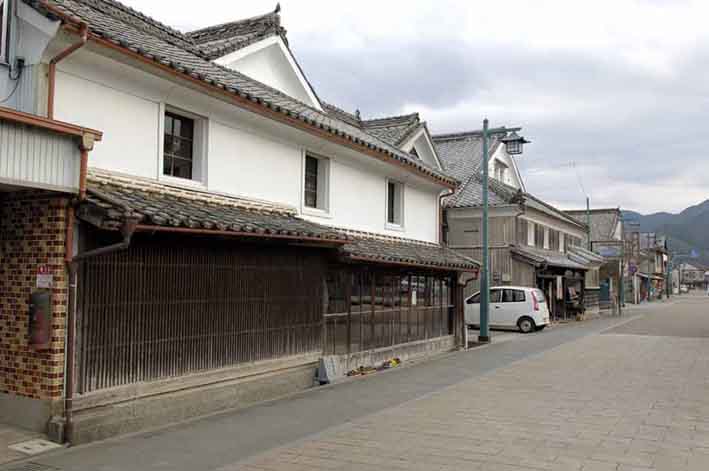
(227,233)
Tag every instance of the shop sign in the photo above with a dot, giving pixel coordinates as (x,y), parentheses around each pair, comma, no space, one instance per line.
(45,278)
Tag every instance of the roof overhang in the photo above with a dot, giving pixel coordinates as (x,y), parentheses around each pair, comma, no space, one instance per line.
(48,124)
(405,253)
(112,200)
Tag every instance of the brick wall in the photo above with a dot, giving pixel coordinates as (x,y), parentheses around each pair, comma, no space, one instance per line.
(32,233)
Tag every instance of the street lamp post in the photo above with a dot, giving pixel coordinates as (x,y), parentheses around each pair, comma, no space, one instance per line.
(514,145)
(484,335)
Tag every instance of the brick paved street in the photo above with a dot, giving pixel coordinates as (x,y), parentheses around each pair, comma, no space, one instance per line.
(574,397)
(617,401)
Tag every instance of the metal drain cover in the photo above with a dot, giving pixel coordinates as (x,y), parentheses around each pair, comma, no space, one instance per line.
(34,447)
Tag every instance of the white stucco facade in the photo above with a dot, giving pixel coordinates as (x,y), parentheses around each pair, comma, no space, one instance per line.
(242,154)
(511,175)
(271,62)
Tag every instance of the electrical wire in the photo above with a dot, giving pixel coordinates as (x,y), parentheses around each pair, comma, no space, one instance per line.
(578,179)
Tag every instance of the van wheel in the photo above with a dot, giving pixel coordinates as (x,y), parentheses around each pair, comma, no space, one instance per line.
(526,325)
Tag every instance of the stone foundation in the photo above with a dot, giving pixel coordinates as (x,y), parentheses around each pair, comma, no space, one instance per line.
(142,406)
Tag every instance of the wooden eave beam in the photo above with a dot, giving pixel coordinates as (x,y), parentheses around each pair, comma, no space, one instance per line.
(41,122)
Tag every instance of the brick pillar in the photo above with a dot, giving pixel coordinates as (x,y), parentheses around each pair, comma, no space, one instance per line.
(32,234)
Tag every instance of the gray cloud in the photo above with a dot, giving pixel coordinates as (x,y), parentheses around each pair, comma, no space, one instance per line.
(610,117)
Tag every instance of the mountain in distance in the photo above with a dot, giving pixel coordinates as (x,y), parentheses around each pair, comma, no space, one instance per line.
(686,232)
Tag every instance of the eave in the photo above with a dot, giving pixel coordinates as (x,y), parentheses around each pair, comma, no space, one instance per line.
(48,124)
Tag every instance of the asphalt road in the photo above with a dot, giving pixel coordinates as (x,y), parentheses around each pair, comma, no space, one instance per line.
(212,442)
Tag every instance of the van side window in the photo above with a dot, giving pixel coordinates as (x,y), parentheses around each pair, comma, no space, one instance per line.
(495,295)
(513,296)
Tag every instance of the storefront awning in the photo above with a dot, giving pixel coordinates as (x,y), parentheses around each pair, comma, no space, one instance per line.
(541,257)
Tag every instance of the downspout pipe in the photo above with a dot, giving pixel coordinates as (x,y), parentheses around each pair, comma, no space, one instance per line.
(73,262)
(441,213)
(51,79)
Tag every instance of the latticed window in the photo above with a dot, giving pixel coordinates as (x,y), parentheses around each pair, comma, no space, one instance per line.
(539,236)
(522,232)
(179,146)
(554,240)
(311,182)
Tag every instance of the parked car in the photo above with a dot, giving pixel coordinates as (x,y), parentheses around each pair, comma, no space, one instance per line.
(511,306)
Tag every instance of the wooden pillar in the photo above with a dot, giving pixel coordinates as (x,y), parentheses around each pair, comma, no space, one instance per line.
(458,310)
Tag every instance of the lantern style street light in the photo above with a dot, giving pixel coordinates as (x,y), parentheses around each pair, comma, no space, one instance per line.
(514,144)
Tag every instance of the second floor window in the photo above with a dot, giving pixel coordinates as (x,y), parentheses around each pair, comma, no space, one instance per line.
(316,183)
(395,203)
(4,31)
(311,182)
(178,159)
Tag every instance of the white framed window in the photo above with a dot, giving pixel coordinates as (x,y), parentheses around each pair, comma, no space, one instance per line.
(394,205)
(184,147)
(4,31)
(500,171)
(316,184)
(562,242)
(546,238)
(531,234)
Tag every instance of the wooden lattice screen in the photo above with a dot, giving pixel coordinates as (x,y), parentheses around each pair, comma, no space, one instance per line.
(161,310)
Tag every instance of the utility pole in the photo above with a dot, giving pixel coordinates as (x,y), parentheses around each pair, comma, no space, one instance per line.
(484,335)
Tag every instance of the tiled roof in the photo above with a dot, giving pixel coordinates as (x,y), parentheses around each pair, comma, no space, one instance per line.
(219,40)
(136,33)
(394,129)
(603,222)
(351,118)
(399,251)
(471,196)
(112,198)
(547,257)
(585,257)
(462,154)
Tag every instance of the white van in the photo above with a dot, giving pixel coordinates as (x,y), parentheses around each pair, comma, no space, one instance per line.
(511,306)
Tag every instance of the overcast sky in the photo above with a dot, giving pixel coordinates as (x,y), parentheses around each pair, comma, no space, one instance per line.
(614,94)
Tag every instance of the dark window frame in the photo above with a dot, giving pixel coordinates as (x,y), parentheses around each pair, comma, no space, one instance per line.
(179,145)
(394,203)
(311,182)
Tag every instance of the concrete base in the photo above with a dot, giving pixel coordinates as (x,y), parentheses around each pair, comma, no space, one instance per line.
(101,420)
(341,364)
(26,413)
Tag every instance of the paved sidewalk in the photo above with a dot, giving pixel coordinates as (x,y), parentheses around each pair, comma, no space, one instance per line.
(605,402)
(10,436)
